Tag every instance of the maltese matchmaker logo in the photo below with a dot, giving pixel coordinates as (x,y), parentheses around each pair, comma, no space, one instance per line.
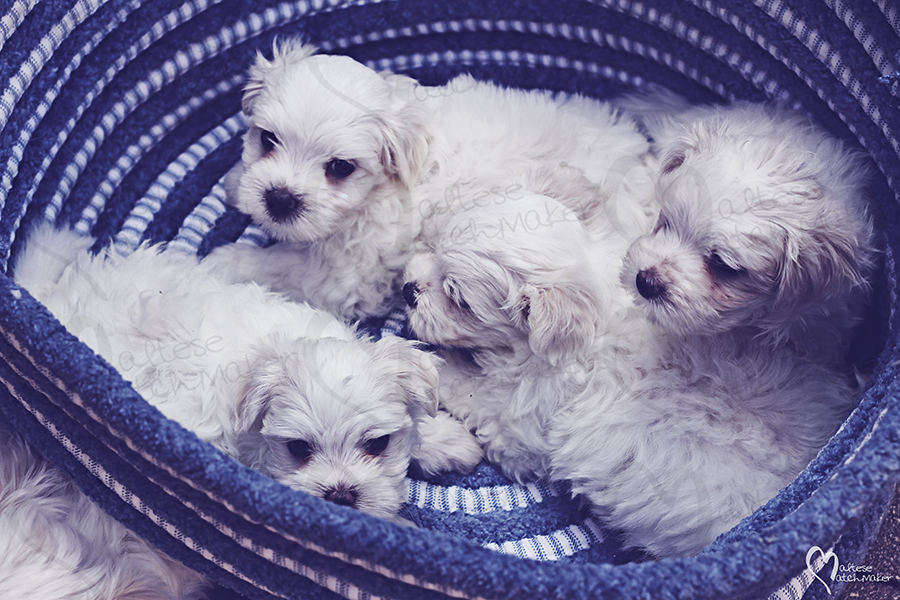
(819,563)
(825,558)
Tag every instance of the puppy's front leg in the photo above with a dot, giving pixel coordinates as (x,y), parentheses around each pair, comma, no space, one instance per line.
(244,263)
(446,445)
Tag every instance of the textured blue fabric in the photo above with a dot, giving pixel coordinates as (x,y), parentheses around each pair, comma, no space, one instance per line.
(123,103)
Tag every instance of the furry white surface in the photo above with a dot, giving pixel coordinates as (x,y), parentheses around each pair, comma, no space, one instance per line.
(45,524)
(284,388)
(673,433)
(342,165)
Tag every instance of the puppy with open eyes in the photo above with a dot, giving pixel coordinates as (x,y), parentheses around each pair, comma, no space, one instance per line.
(286,389)
(341,165)
(678,403)
(762,224)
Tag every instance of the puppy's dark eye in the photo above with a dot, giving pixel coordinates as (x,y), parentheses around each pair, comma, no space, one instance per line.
(267,140)
(453,294)
(300,449)
(721,269)
(377,446)
(673,163)
(337,168)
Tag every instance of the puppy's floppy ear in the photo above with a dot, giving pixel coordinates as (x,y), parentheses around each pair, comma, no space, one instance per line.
(404,135)
(415,370)
(828,259)
(285,53)
(562,319)
(253,405)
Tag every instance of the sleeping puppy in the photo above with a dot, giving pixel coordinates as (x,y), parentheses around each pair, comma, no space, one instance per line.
(284,388)
(673,436)
(341,165)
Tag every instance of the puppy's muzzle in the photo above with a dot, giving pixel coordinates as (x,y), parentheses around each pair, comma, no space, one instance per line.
(283,205)
(650,285)
(343,495)
(411,293)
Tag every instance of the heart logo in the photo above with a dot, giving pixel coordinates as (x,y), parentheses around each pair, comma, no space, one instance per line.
(826,557)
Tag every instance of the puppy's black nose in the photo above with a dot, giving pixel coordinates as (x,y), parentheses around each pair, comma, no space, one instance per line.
(649,284)
(411,293)
(343,495)
(282,204)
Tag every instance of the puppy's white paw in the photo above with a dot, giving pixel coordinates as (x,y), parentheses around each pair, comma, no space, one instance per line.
(446,445)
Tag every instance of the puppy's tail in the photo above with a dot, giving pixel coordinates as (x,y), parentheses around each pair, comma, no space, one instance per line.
(48,252)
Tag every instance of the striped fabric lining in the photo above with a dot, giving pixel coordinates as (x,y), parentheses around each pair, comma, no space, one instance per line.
(13,18)
(753,73)
(510,58)
(199,222)
(26,132)
(466,57)
(30,127)
(708,43)
(132,155)
(41,54)
(478,501)
(555,546)
(864,36)
(891,13)
(828,56)
(171,20)
(146,208)
(153,83)
(254,234)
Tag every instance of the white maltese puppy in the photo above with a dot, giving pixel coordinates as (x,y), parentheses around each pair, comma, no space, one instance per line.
(342,164)
(521,287)
(284,388)
(672,437)
(763,224)
(44,524)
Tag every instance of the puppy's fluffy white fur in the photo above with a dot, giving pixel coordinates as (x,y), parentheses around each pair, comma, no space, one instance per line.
(44,524)
(342,164)
(518,285)
(674,431)
(284,388)
(763,223)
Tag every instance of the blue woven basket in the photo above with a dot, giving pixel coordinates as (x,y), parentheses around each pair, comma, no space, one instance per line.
(121,116)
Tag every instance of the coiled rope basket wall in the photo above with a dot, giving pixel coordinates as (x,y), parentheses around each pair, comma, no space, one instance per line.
(121,117)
